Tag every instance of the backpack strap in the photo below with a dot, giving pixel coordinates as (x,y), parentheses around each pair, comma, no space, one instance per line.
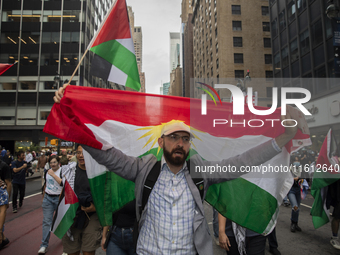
(150,183)
(199,182)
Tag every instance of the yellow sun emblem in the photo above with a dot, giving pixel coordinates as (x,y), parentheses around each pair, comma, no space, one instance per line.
(155,132)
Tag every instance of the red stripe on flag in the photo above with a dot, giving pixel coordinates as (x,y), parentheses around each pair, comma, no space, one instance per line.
(84,105)
(70,196)
(5,67)
(116,25)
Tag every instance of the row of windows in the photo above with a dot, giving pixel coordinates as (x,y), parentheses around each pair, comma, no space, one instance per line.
(239,74)
(238,58)
(237,26)
(236,10)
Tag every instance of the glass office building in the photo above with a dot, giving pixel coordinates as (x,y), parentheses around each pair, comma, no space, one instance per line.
(47,39)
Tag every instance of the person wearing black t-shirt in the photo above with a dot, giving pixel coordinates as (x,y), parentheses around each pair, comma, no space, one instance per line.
(19,168)
(121,239)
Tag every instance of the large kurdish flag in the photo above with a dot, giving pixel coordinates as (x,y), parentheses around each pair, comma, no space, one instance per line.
(132,122)
(115,58)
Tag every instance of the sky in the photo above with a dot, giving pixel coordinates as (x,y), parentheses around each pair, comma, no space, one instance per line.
(157,18)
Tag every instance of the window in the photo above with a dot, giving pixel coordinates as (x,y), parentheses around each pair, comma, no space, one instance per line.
(291,9)
(217,64)
(294,53)
(239,74)
(265,10)
(267,43)
(237,41)
(274,27)
(284,54)
(282,20)
(266,26)
(316,33)
(237,25)
(215,32)
(216,47)
(236,9)
(238,58)
(268,58)
(269,75)
(277,62)
(304,42)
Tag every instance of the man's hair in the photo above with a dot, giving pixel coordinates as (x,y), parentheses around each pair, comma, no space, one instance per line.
(77,145)
(20,152)
(53,157)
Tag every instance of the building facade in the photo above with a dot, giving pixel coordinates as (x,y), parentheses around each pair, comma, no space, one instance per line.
(47,39)
(303,56)
(175,51)
(138,44)
(166,87)
(229,38)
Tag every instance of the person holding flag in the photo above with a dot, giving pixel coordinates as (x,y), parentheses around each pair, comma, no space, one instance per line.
(173,217)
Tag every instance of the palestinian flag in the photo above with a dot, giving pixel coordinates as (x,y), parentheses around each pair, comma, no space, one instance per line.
(5,67)
(68,203)
(327,172)
(114,54)
(132,122)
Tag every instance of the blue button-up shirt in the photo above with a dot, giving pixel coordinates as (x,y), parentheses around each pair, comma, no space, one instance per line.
(168,226)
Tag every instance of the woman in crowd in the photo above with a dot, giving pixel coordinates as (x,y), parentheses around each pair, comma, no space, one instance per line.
(52,190)
(121,238)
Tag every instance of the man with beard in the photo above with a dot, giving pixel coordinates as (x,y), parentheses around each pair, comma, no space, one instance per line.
(172,220)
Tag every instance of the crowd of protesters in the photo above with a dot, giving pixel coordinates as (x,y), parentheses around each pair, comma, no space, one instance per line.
(86,234)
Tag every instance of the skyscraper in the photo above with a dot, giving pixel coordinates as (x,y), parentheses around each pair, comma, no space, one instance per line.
(230,38)
(47,38)
(175,51)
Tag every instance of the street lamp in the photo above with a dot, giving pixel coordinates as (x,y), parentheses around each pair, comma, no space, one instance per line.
(332,10)
(242,83)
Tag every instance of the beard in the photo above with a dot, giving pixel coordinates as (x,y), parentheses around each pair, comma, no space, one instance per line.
(172,158)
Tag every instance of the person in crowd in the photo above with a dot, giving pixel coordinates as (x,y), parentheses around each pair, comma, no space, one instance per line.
(121,238)
(29,160)
(294,195)
(155,237)
(8,158)
(334,196)
(41,164)
(253,244)
(3,152)
(19,168)
(273,245)
(52,189)
(5,193)
(86,229)
(63,157)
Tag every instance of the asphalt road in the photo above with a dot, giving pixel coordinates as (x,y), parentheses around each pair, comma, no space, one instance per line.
(24,229)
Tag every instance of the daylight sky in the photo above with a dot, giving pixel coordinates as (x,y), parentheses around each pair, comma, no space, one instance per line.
(157,18)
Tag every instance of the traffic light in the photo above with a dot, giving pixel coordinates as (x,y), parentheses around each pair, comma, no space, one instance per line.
(54,142)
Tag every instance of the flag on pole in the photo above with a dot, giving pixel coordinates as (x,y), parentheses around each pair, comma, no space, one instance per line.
(68,203)
(5,67)
(327,172)
(132,122)
(115,58)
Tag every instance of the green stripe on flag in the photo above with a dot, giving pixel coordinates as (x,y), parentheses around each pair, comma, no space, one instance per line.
(116,192)
(229,199)
(122,58)
(66,221)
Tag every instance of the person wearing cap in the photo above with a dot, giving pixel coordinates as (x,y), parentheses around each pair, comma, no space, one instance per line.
(173,218)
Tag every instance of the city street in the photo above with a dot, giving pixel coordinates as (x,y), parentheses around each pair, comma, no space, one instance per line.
(24,229)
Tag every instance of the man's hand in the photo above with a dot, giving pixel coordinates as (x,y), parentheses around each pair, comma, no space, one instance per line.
(290,130)
(89,209)
(105,229)
(224,241)
(59,93)
(24,165)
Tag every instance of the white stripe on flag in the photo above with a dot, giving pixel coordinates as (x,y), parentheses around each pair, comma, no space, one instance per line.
(117,76)
(62,209)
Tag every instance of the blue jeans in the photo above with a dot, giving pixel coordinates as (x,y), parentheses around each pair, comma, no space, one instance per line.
(294,196)
(121,242)
(49,205)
